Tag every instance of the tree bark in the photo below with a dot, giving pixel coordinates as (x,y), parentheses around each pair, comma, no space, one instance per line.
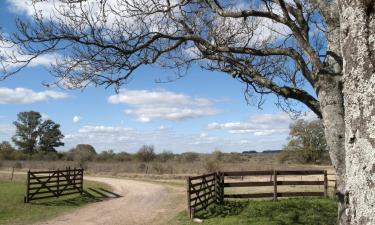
(357,41)
(329,91)
(332,108)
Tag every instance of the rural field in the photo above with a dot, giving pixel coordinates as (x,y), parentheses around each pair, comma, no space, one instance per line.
(160,198)
(182,112)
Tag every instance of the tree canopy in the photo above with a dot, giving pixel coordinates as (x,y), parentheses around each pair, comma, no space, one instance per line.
(33,134)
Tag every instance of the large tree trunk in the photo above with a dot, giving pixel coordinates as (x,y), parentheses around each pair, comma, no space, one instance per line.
(332,108)
(358,45)
(329,90)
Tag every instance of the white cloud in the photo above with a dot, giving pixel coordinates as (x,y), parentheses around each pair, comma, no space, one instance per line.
(103,129)
(260,125)
(151,105)
(26,96)
(76,119)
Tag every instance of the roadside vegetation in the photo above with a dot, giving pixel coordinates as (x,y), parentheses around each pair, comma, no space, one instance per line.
(14,211)
(35,141)
(306,211)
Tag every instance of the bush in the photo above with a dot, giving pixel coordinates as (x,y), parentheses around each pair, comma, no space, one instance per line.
(189,156)
(212,165)
(123,157)
(146,153)
(83,153)
(17,165)
(165,156)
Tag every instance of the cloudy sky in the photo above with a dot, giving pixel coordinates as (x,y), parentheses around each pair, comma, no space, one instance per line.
(200,112)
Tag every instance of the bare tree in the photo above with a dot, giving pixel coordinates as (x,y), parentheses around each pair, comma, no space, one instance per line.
(279,47)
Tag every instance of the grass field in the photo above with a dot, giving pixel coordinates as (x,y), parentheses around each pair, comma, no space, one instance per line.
(301,211)
(14,211)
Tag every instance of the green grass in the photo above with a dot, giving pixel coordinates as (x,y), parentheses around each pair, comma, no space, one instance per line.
(301,211)
(14,211)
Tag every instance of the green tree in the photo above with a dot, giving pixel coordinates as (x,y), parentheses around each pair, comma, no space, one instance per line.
(50,136)
(6,150)
(307,142)
(146,153)
(83,153)
(27,131)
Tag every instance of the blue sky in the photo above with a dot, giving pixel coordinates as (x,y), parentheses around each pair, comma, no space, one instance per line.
(200,112)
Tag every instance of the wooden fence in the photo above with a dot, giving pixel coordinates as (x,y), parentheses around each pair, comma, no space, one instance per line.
(208,189)
(53,183)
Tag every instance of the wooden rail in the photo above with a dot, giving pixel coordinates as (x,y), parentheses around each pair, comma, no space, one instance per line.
(207,189)
(53,183)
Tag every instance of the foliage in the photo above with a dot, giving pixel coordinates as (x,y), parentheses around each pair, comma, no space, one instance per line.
(306,211)
(83,153)
(32,130)
(190,156)
(50,136)
(306,144)
(27,131)
(165,156)
(212,165)
(146,153)
(6,149)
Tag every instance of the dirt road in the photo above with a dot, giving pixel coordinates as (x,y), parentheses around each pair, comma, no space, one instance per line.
(141,203)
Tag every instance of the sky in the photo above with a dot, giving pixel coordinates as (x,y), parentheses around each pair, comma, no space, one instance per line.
(200,112)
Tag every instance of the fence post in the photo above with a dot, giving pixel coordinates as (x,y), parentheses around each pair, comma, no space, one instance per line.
(58,183)
(26,199)
(325,184)
(217,187)
(274,185)
(188,197)
(221,188)
(82,181)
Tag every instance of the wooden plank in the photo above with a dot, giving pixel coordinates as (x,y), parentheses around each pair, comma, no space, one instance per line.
(202,189)
(188,196)
(300,172)
(247,173)
(300,182)
(198,203)
(248,184)
(202,176)
(203,182)
(299,194)
(50,171)
(201,195)
(256,195)
(325,184)
(274,185)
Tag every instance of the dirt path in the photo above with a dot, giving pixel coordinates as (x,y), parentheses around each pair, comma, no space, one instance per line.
(141,203)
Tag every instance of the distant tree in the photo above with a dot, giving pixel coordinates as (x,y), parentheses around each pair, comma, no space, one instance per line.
(146,153)
(50,136)
(32,133)
(83,153)
(217,155)
(307,142)
(6,150)
(106,155)
(165,156)
(123,156)
(27,131)
(190,156)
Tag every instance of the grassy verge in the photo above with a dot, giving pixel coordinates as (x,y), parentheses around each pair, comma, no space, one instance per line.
(14,211)
(301,211)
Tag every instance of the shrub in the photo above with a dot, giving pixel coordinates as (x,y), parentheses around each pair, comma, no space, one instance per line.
(212,166)
(165,156)
(146,153)
(17,165)
(190,156)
